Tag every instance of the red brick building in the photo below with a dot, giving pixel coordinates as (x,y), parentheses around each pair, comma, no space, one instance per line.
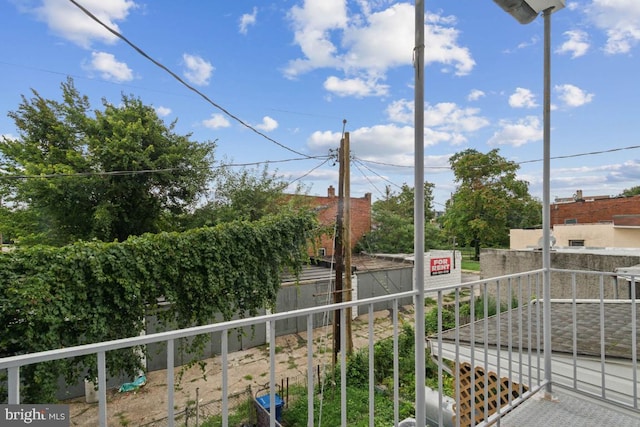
(621,211)
(327,208)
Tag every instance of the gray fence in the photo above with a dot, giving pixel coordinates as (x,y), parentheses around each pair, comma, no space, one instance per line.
(294,296)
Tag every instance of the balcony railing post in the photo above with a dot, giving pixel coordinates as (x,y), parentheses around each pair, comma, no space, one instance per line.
(224,349)
(170,382)
(546,213)
(14,385)
(102,389)
(310,387)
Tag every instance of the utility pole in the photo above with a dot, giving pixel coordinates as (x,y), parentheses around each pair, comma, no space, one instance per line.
(347,238)
(338,250)
(343,250)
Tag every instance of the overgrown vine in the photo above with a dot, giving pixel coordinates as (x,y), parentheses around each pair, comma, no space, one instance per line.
(89,292)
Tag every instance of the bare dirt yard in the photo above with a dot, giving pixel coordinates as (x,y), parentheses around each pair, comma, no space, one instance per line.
(148,405)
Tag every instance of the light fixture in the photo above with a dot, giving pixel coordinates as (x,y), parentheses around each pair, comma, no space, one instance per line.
(525,11)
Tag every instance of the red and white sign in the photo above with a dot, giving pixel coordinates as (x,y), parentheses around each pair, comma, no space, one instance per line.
(440,266)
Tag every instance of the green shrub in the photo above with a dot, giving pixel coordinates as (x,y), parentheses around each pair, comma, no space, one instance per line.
(449,318)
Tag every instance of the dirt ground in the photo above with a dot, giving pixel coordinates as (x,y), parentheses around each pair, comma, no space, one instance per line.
(246,368)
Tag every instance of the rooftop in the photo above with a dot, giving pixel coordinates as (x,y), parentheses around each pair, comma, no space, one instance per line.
(567,318)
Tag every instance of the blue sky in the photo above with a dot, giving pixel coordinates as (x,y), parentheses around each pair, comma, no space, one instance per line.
(293,70)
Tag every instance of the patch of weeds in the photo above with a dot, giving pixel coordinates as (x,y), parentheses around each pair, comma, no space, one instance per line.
(301,342)
(248,377)
(292,363)
(122,419)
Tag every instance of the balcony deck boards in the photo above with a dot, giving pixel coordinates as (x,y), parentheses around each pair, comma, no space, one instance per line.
(567,409)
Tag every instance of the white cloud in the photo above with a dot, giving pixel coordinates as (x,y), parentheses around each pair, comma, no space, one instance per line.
(531,42)
(577,43)
(163,111)
(366,45)
(401,111)
(450,117)
(248,19)
(522,98)
(268,124)
(198,71)
(444,122)
(573,96)
(216,121)
(68,21)
(620,20)
(357,87)
(443,47)
(629,171)
(524,131)
(389,144)
(313,24)
(109,67)
(475,94)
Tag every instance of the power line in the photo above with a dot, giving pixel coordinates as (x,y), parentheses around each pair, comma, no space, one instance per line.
(568,156)
(591,153)
(378,175)
(306,174)
(152,171)
(145,88)
(383,164)
(179,79)
(367,178)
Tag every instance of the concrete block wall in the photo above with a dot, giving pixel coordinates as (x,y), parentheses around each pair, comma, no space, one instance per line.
(500,262)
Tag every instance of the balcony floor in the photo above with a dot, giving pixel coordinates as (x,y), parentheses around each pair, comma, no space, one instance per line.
(568,409)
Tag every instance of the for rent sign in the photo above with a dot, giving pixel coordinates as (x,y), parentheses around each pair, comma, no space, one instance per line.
(440,266)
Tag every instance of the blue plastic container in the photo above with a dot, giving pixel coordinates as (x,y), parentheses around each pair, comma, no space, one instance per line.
(265,402)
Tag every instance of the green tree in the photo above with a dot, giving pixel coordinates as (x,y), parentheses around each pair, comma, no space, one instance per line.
(393,222)
(97,174)
(248,194)
(629,192)
(489,200)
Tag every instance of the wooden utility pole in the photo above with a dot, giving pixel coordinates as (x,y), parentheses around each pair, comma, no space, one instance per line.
(338,249)
(343,250)
(347,238)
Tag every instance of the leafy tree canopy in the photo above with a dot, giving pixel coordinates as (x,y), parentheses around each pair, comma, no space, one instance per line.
(489,200)
(103,174)
(393,222)
(248,194)
(629,192)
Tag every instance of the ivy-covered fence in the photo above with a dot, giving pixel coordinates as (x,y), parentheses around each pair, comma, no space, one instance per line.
(53,297)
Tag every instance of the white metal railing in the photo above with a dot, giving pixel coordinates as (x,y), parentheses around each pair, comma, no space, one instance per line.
(607,304)
(14,363)
(506,346)
(593,331)
(481,348)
